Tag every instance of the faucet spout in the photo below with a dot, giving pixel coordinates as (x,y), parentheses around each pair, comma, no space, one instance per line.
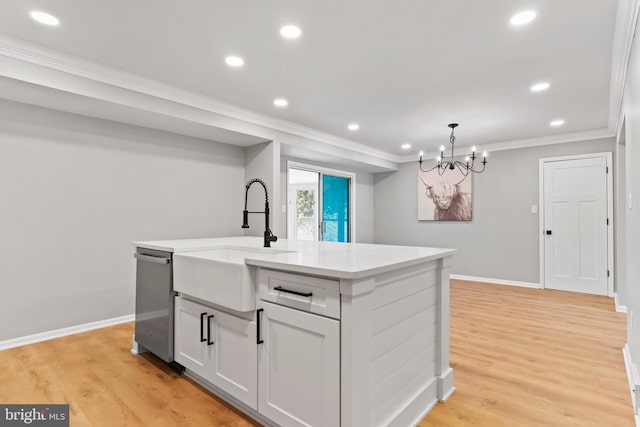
(268,235)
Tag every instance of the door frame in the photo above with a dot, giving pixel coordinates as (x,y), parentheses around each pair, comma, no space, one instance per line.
(610,248)
(327,171)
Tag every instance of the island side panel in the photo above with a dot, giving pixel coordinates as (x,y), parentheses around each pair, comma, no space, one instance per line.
(443,370)
(404,345)
(355,351)
(391,334)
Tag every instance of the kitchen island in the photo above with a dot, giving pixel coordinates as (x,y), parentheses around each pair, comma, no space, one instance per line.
(314,333)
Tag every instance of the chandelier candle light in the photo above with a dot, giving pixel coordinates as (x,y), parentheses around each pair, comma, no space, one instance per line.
(443,163)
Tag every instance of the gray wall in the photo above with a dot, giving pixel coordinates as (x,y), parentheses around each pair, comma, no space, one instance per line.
(262,161)
(364,198)
(631,112)
(364,207)
(74,193)
(501,242)
(620,224)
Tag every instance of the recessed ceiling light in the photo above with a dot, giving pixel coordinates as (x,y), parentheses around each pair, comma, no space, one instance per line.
(280,102)
(353,126)
(290,31)
(405,146)
(523,18)
(45,18)
(538,87)
(558,122)
(234,61)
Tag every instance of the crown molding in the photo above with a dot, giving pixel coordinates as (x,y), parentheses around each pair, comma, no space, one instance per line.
(527,143)
(54,60)
(624,33)
(135,85)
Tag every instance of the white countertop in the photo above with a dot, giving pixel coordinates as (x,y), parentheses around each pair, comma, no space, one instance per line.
(339,260)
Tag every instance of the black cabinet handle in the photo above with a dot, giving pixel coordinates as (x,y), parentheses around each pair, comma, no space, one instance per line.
(548,232)
(302,294)
(209,342)
(202,338)
(258,313)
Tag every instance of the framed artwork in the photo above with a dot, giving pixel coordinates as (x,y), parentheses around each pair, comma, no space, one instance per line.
(446,197)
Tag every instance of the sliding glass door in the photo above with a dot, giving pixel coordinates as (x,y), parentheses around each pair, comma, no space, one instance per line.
(319,204)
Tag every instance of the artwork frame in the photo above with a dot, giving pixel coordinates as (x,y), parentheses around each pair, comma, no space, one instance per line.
(445,195)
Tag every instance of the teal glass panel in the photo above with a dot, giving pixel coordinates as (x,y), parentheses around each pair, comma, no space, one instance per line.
(335,209)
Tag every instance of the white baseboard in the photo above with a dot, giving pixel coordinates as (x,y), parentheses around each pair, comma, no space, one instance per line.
(496,281)
(619,308)
(57,333)
(632,376)
(418,408)
(136,348)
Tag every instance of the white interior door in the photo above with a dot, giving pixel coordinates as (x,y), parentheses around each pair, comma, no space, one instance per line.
(575,225)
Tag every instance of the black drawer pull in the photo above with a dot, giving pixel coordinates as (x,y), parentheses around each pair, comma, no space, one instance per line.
(258,313)
(302,294)
(209,342)
(202,338)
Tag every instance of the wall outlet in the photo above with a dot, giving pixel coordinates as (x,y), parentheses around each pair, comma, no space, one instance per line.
(630,202)
(534,209)
(284,208)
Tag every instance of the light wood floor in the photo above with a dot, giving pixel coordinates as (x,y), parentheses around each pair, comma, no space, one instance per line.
(534,357)
(522,357)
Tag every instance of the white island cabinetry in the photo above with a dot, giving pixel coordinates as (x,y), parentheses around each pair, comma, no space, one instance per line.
(349,335)
(299,354)
(299,368)
(218,347)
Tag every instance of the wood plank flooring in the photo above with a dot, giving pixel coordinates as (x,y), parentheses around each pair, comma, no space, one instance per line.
(522,357)
(534,357)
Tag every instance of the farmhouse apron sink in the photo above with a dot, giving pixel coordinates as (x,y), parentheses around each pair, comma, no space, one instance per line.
(219,275)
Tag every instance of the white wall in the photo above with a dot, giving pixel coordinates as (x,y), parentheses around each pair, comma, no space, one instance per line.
(74,193)
(631,114)
(501,242)
(620,190)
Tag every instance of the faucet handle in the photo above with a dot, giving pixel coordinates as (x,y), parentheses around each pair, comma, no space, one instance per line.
(245,219)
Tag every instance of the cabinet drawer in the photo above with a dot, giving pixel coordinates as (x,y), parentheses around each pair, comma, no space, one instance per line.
(313,294)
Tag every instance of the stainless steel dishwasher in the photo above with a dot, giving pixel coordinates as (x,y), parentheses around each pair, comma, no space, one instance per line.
(154,302)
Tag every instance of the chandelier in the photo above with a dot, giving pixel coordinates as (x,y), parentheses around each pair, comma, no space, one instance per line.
(450,163)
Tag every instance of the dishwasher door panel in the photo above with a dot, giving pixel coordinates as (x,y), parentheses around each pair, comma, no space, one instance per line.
(154,302)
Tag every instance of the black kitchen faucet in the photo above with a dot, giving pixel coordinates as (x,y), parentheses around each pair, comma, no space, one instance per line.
(268,235)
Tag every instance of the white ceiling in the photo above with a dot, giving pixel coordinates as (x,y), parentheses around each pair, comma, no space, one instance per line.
(403,70)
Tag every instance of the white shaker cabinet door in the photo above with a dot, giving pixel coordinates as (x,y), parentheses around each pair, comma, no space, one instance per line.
(218,346)
(191,348)
(236,357)
(299,367)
